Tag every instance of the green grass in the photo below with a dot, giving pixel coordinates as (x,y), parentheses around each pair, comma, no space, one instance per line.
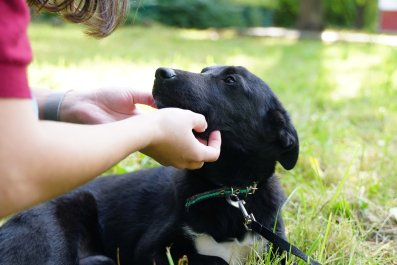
(343,101)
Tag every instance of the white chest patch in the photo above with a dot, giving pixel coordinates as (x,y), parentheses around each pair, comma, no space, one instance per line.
(233,252)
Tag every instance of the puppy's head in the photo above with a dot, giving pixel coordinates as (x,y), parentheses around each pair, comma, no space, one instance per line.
(256,130)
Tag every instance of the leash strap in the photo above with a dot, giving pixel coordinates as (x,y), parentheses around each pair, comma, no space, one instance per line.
(280,243)
(252,225)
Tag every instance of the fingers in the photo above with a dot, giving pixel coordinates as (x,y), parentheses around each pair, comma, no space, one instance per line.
(205,153)
(177,145)
(195,165)
(190,165)
(143,97)
(209,152)
(199,123)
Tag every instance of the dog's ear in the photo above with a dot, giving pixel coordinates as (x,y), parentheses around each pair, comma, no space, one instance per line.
(290,143)
(286,136)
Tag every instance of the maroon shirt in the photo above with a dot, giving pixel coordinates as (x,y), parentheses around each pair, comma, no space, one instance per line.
(15,52)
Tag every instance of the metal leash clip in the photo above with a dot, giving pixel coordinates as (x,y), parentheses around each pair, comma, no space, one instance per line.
(235,201)
(278,241)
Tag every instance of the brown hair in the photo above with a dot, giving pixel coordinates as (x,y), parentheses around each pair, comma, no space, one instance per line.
(100,16)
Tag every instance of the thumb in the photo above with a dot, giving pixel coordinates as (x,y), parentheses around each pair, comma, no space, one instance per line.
(143,97)
(213,150)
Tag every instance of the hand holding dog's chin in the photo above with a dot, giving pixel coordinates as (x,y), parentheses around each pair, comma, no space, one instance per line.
(174,144)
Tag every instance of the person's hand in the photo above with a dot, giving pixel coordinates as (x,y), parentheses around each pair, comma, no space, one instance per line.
(174,143)
(102,105)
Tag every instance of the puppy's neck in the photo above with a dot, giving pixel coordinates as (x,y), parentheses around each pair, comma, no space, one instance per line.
(233,172)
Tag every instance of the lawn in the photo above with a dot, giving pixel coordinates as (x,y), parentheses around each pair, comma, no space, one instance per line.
(342,99)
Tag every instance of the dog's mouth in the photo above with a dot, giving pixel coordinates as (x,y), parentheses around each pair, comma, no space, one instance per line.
(168,102)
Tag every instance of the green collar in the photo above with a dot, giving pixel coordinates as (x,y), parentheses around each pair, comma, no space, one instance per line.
(223,192)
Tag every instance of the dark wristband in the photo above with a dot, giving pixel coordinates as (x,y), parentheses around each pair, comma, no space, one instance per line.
(52,106)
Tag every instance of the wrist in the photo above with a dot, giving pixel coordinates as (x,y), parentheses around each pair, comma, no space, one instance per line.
(52,106)
(154,131)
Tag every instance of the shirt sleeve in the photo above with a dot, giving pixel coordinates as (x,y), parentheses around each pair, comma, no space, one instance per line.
(15,52)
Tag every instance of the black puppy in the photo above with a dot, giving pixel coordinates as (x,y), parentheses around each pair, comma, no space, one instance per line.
(131,219)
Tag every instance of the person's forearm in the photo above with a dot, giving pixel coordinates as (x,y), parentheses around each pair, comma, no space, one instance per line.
(41,159)
(52,158)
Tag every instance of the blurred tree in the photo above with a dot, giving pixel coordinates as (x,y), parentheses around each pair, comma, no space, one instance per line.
(199,13)
(286,13)
(360,14)
(311,15)
(366,11)
(304,14)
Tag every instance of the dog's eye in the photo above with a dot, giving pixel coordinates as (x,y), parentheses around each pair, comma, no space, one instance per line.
(230,79)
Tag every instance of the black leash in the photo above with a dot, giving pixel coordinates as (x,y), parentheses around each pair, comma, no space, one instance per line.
(281,243)
(252,225)
(232,197)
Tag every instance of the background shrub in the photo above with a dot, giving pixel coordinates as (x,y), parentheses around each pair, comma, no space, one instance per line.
(201,14)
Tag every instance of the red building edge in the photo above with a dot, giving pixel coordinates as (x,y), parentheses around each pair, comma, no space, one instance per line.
(388,20)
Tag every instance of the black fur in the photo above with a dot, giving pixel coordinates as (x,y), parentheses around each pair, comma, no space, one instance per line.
(134,217)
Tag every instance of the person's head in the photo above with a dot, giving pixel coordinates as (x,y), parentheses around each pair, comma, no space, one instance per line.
(101,16)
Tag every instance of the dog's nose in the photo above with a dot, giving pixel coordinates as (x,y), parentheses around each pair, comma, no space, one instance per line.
(165,73)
